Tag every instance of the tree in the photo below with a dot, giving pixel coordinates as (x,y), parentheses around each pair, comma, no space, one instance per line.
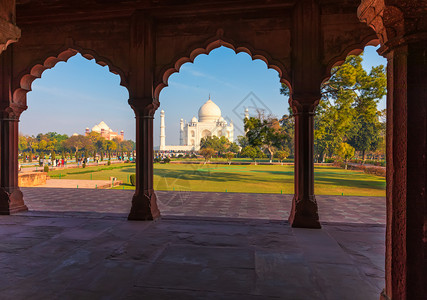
(243,141)
(109,146)
(219,144)
(23,144)
(265,133)
(75,143)
(251,152)
(234,148)
(288,128)
(229,156)
(207,153)
(347,111)
(345,152)
(42,145)
(282,155)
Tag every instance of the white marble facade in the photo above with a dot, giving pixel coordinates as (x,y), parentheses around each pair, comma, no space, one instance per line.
(209,123)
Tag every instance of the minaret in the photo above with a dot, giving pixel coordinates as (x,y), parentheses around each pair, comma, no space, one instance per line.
(181,132)
(246,113)
(162,130)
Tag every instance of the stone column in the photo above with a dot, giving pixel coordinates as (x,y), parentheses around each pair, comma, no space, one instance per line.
(401,28)
(304,211)
(11,198)
(406,254)
(144,201)
(305,95)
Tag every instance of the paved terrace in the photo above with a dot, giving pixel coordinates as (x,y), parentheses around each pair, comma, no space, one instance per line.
(204,247)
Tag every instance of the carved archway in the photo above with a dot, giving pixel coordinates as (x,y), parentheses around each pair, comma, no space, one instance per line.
(213,44)
(355,49)
(35,70)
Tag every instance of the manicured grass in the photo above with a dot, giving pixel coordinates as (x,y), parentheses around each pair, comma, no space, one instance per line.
(238,178)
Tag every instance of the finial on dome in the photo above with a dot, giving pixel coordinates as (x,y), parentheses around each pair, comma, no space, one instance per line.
(209,96)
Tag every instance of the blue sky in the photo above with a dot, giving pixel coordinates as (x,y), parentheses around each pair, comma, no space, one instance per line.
(80,94)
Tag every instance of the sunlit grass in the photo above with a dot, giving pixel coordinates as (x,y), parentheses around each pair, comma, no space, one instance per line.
(237,178)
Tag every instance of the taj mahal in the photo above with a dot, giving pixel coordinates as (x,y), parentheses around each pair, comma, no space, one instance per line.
(209,123)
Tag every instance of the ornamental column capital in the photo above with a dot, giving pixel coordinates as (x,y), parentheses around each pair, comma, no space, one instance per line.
(144,107)
(12,111)
(304,102)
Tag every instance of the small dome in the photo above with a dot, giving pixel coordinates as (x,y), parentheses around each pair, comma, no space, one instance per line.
(75,134)
(194,120)
(221,119)
(162,112)
(209,112)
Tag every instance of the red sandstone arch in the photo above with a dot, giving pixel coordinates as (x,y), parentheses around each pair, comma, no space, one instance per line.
(354,49)
(35,71)
(212,45)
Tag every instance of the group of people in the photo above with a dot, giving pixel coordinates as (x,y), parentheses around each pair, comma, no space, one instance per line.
(59,162)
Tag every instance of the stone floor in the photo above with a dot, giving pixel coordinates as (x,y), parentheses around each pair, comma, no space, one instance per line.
(341,209)
(99,255)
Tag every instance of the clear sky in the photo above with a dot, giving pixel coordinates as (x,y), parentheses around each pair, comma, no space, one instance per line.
(80,94)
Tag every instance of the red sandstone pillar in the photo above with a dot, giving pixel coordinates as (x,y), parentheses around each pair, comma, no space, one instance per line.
(304,211)
(401,28)
(406,237)
(144,201)
(11,198)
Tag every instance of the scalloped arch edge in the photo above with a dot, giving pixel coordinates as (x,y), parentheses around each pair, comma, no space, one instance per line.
(37,69)
(284,78)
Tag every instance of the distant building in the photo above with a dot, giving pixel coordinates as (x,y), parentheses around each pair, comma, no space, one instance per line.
(106,132)
(210,123)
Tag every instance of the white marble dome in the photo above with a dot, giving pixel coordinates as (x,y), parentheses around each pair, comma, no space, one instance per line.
(101,125)
(209,112)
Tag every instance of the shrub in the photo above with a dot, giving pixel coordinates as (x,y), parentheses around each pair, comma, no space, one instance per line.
(133,179)
(157,159)
(180,156)
(46,169)
(166,160)
(84,165)
(109,162)
(329,160)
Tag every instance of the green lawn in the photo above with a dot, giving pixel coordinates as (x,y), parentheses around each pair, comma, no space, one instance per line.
(238,178)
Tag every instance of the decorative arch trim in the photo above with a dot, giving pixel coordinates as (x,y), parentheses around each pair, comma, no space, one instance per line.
(214,44)
(354,49)
(36,70)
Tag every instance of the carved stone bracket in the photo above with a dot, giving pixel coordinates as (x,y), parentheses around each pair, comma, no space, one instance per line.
(395,22)
(301,103)
(12,111)
(144,107)
(9,33)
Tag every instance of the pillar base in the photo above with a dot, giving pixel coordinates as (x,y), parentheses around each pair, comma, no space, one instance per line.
(11,203)
(144,207)
(384,296)
(304,213)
